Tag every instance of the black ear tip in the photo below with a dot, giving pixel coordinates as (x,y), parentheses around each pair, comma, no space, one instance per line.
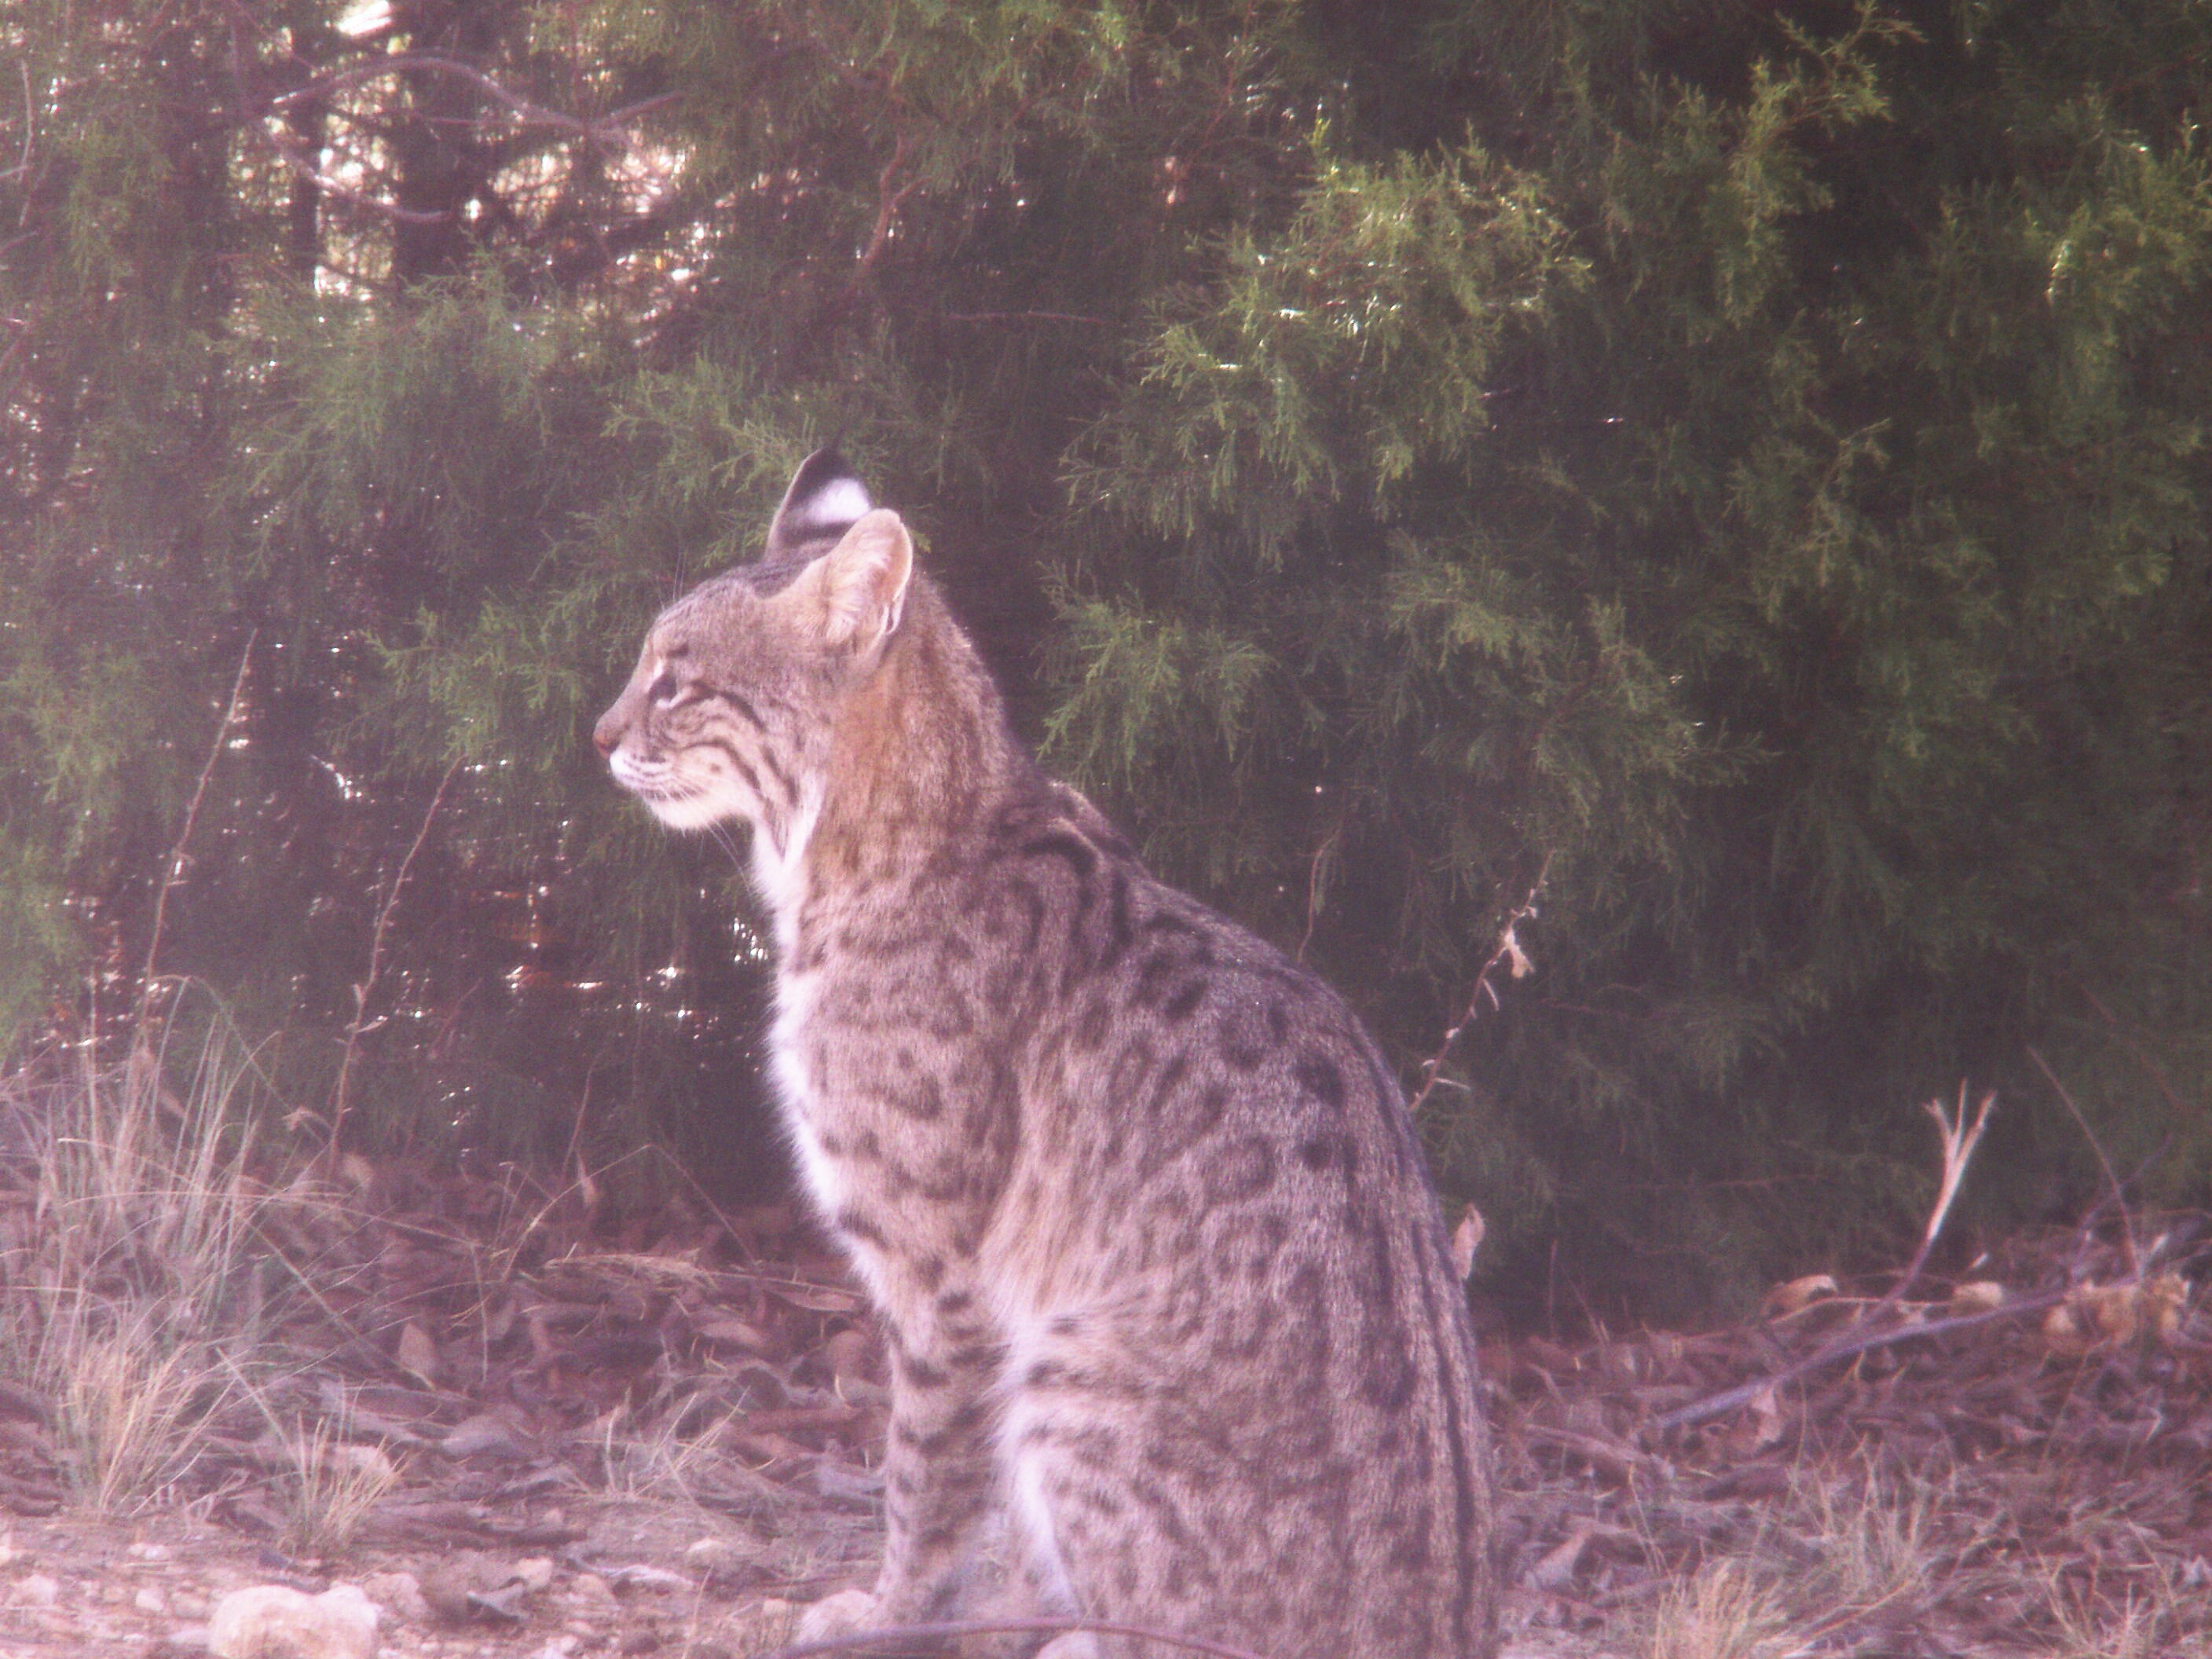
(826,499)
(826,465)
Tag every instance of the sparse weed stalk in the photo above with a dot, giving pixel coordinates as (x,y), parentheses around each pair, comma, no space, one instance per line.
(666,1461)
(2145,1616)
(1873,1536)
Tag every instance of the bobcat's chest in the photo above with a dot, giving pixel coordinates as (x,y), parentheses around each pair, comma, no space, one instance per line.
(791,1061)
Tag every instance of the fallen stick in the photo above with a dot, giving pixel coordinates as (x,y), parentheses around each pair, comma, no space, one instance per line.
(944,1631)
(1845,1348)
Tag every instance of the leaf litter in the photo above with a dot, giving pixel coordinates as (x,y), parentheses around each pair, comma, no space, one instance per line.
(527,1426)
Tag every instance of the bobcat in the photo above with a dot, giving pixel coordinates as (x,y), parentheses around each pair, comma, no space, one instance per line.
(1137,1201)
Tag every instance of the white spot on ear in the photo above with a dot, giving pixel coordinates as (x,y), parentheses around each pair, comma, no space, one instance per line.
(841,504)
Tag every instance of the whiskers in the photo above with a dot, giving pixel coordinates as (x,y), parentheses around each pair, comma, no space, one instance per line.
(720,836)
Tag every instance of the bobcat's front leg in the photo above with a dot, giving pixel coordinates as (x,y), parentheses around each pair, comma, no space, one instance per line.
(939,1469)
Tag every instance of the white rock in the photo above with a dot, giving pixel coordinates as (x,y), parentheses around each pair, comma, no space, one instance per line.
(534,1573)
(714,1557)
(149,1598)
(37,1590)
(274,1621)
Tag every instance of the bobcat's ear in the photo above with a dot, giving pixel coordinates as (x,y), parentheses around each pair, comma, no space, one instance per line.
(825,500)
(858,588)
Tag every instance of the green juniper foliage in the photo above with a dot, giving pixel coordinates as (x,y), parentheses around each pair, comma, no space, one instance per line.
(1753,461)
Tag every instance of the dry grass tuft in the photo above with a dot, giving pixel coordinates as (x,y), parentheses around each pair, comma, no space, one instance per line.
(332,1483)
(131,1415)
(1723,1612)
(130,1256)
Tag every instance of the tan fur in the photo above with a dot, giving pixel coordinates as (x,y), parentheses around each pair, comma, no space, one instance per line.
(1137,1201)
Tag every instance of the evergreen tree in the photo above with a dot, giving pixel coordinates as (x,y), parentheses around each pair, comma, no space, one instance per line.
(1747,465)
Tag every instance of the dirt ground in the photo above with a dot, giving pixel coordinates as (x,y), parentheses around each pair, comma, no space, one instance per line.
(522,1429)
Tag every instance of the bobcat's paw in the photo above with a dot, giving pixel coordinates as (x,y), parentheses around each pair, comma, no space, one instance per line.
(846,1614)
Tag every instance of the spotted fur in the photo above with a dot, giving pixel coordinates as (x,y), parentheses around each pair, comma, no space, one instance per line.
(1137,1199)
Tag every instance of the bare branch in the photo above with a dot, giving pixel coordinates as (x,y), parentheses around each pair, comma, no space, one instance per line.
(1960,1139)
(605,130)
(360,1024)
(1845,1348)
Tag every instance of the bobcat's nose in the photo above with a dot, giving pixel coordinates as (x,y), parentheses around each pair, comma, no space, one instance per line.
(606,734)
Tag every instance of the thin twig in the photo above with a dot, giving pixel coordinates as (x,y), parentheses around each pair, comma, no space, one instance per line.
(1314,880)
(175,868)
(1508,949)
(359,1025)
(1025,317)
(2142,1056)
(952,1629)
(345,192)
(888,203)
(23,168)
(2112,1179)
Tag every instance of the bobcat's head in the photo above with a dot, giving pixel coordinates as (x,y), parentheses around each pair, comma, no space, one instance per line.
(728,716)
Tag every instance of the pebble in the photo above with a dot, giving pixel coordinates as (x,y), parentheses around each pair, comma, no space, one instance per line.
(37,1590)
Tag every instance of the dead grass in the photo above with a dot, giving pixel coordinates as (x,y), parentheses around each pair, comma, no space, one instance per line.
(334,1480)
(132,1256)
(1723,1612)
(434,1348)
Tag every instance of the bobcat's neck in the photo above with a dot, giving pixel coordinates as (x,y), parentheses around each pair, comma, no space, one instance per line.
(917,758)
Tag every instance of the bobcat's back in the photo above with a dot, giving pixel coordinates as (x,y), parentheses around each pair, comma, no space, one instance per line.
(1137,1201)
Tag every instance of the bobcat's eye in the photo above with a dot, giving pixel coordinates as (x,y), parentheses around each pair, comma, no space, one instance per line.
(663,689)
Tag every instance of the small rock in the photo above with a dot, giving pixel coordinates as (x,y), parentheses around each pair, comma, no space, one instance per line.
(149,1598)
(559,1648)
(399,1594)
(274,1621)
(485,1434)
(9,1553)
(144,1552)
(448,1586)
(191,1604)
(37,1589)
(640,1641)
(589,1594)
(714,1557)
(534,1573)
(186,1642)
